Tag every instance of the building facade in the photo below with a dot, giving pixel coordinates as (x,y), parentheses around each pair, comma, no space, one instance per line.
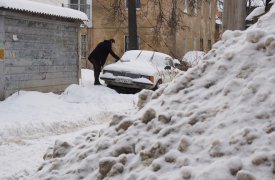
(173,26)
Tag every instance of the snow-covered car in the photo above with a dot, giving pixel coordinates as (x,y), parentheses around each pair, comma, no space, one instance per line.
(193,58)
(140,69)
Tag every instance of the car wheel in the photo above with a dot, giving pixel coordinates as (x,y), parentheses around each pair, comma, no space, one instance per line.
(157,85)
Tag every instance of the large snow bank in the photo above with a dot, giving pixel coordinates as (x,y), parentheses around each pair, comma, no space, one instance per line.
(215,121)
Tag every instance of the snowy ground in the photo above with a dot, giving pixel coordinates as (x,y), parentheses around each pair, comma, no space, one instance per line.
(30,122)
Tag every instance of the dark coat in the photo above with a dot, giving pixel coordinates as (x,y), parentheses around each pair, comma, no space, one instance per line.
(101,52)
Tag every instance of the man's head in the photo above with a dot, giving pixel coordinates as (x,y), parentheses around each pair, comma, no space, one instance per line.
(112,41)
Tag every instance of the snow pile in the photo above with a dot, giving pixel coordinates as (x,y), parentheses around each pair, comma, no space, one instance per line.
(28,114)
(256,12)
(215,121)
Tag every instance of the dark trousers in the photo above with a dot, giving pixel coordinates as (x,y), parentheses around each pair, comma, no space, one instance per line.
(97,70)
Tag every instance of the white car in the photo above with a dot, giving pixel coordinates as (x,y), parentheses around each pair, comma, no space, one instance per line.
(193,58)
(140,69)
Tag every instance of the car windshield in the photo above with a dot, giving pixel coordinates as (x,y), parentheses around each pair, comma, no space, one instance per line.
(156,58)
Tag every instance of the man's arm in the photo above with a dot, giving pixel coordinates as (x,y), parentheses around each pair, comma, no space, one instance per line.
(114,55)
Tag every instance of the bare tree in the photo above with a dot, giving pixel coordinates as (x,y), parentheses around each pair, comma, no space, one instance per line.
(168,17)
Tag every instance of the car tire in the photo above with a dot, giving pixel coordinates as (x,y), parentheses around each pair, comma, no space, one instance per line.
(157,85)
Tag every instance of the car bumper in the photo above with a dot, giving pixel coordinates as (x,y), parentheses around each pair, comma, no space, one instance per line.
(127,83)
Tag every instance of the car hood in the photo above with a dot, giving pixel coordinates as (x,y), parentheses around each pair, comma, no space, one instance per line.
(135,67)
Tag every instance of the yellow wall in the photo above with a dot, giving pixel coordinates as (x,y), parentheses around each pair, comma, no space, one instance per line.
(108,23)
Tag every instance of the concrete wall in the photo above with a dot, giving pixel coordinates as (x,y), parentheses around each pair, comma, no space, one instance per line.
(41,53)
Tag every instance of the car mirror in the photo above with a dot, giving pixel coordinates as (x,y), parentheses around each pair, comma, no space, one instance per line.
(167,68)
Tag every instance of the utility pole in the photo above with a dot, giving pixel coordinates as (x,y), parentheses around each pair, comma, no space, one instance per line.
(234,14)
(132,25)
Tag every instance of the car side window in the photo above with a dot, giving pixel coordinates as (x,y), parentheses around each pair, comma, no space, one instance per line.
(168,62)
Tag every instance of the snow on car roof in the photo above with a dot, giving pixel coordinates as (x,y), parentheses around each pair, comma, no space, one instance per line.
(138,62)
(140,54)
(41,8)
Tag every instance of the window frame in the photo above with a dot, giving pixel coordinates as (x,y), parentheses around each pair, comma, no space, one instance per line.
(201,44)
(209,44)
(83,46)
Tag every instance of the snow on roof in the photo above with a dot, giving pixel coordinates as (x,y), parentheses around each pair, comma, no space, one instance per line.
(41,8)
(256,12)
